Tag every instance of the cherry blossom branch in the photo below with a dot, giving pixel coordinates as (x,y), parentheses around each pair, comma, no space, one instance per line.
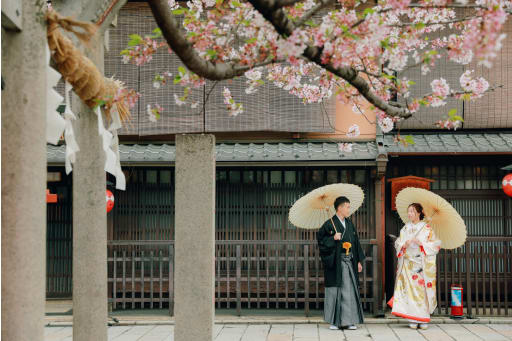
(376,76)
(312,12)
(450,6)
(175,37)
(420,6)
(364,115)
(284,38)
(284,3)
(246,68)
(454,6)
(285,28)
(363,19)
(462,93)
(447,22)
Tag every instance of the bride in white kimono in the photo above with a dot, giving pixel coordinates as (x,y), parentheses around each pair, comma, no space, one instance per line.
(415,288)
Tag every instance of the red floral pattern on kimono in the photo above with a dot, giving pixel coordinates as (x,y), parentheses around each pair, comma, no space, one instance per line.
(415,288)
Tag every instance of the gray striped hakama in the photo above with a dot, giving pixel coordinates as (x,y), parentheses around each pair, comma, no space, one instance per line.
(342,305)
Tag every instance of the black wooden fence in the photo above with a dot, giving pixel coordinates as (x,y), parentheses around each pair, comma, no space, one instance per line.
(249,275)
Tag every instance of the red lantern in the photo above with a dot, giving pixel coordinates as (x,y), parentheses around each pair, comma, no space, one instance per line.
(110,201)
(507,184)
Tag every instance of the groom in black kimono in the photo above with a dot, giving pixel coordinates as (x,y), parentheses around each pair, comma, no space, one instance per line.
(342,256)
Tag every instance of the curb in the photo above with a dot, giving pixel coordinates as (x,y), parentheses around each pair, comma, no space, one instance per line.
(67,322)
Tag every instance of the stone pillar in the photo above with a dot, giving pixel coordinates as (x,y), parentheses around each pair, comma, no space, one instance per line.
(195,237)
(24,177)
(90,303)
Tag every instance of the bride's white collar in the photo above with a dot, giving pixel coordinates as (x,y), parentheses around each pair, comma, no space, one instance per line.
(418,224)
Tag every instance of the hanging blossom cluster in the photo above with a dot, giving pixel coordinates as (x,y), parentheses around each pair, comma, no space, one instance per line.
(154,112)
(129,96)
(303,80)
(353,41)
(474,87)
(253,81)
(141,50)
(162,79)
(183,100)
(233,108)
(440,91)
(449,124)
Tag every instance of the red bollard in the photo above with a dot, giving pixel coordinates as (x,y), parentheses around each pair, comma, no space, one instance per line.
(457,307)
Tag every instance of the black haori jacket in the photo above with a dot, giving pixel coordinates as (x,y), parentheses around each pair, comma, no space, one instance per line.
(331,250)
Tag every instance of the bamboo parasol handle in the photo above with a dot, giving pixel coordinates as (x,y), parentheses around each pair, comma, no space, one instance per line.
(327,209)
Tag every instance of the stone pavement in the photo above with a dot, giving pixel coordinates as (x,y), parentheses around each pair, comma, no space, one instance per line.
(305,332)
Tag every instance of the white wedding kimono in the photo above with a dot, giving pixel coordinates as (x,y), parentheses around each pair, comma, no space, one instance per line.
(415,287)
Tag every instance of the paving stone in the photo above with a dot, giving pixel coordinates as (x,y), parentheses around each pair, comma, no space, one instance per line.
(306,332)
(435,333)
(256,332)
(503,329)
(381,332)
(485,333)
(458,332)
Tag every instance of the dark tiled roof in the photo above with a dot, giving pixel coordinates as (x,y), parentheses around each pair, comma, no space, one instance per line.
(452,143)
(327,151)
(241,152)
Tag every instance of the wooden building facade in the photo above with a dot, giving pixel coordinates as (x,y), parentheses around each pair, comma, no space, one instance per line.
(262,261)
(268,157)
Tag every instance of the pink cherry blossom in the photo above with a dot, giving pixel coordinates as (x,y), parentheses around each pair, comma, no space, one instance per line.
(440,87)
(353,131)
(179,101)
(345,147)
(233,108)
(386,124)
(173,4)
(475,87)
(154,112)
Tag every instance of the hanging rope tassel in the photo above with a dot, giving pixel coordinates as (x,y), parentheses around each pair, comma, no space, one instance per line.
(78,70)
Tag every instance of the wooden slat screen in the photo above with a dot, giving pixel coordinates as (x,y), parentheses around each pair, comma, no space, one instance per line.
(270,109)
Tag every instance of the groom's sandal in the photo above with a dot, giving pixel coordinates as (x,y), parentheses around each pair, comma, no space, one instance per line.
(352,327)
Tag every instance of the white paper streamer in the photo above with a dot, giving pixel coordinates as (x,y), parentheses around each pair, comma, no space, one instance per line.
(120,179)
(69,134)
(114,126)
(54,122)
(112,162)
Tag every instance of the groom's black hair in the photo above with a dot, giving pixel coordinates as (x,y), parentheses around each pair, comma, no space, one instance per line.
(340,201)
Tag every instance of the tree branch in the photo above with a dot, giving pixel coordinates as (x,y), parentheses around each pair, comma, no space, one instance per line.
(447,22)
(285,28)
(459,93)
(246,68)
(175,37)
(284,3)
(420,6)
(312,12)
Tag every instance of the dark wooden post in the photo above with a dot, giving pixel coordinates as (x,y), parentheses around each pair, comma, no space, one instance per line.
(238,276)
(306,280)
